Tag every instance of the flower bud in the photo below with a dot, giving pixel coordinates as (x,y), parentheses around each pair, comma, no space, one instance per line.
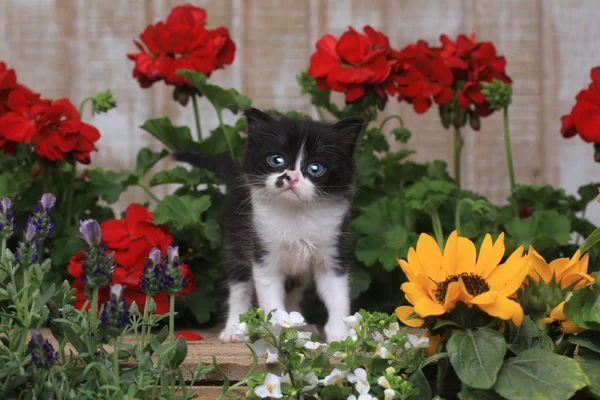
(42,352)
(115,313)
(539,298)
(7,219)
(103,102)
(498,94)
(28,248)
(171,277)
(149,280)
(90,232)
(402,134)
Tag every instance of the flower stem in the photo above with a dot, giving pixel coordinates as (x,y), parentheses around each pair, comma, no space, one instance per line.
(145,324)
(509,159)
(457,213)
(390,117)
(172,318)
(320,112)
(458,143)
(197,116)
(437,229)
(2,248)
(116,362)
(70,192)
(94,309)
(148,191)
(224,129)
(82,104)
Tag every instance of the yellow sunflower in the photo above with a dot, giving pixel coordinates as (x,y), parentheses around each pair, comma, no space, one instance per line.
(567,272)
(558,315)
(437,281)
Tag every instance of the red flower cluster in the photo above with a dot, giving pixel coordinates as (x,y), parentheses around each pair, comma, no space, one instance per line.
(584,118)
(54,128)
(419,73)
(131,239)
(181,42)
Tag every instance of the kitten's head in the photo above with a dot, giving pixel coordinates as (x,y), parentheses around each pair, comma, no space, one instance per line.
(300,161)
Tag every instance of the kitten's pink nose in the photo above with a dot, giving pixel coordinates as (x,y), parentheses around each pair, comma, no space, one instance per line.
(292,177)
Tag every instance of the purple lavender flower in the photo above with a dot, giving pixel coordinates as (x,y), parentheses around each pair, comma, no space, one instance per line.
(115,314)
(41,217)
(42,352)
(171,278)
(149,281)
(90,232)
(7,219)
(28,249)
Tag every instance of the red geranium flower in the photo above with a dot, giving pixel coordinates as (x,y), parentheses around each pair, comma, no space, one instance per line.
(585,115)
(8,83)
(181,42)
(525,212)
(354,63)
(422,75)
(131,239)
(473,63)
(188,335)
(55,128)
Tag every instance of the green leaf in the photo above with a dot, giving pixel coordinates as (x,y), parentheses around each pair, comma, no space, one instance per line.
(428,195)
(42,300)
(174,137)
(361,280)
(334,392)
(590,241)
(220,98)
(469,393)
(419,381)
(146,159)
(582,340)
(590,364)
(477,356)
(367,250)
(156,346)
(181,211)
(539,374)
(180,175)
(217,142)
(202,302)
(212,232)
(583,308)
(543,229)
(529,335)
(110,184)
(180,353)
(588,193)
(8,185)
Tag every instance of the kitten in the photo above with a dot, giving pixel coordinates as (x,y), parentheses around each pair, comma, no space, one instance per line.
(288,204)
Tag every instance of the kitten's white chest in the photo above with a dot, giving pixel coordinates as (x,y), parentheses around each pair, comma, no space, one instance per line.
(296,238)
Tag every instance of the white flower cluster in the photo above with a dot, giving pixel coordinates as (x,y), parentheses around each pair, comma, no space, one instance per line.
(358,378)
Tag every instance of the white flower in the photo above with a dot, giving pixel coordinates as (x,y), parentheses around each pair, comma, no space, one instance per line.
(272,357)
(365,396)
(312,379)
(353,321)
(389,394)
(383,353)
(390,371)
(383,382)
(271,387)
(263,346)
(359,378)
(416,342)
(315,346)
(285,378)
(379,339)
(241,331)
(303,337)
(285,320)
(394,328)
(352,334)
(335,377)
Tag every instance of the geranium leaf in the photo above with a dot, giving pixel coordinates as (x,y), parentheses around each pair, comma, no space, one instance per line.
(146,159)
(216,143)
(543,229)
(110,184)
(174,137)
(590,364)
(537,374)
(220,98)
(180,175)
(590,241)
(181,211)
(202,301)
(477,356)
(361,280)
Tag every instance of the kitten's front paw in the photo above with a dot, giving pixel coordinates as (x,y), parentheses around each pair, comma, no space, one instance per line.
(228,335)
(336,332)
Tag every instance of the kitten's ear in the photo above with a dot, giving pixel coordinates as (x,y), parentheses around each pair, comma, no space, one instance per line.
(254,115)
(348,130)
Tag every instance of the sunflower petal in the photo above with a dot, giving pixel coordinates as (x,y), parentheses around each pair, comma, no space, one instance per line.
(558,313)
(451,254)
(467,256)
(508,277)
(505,309)
(490,255)
(431,257)
(452,295)
(485,298)
(570,327)
(539,267)
(403,312)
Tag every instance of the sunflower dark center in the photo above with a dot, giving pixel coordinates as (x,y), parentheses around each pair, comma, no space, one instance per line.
(474,284)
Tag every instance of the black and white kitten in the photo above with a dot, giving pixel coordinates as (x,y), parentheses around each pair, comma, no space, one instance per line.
(288,204)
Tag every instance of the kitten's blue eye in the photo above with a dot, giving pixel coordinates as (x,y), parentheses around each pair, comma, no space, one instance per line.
(316,169)
(276,160)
